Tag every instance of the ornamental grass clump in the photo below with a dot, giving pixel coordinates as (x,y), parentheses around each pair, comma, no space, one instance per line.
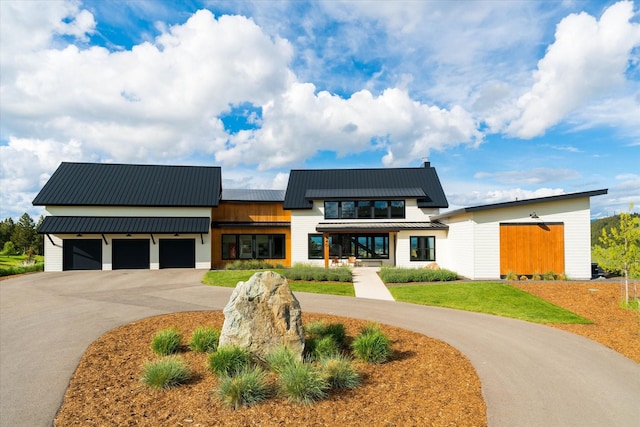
(279,358)
(167,372)
(228,360)
(303,383)
(372,345)
(166,341)
(204,339)
(246,387)
(339,372)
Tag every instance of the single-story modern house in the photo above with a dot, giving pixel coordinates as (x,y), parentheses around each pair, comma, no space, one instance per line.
(112,216)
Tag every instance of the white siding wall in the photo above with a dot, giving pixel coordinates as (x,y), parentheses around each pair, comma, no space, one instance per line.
(53,254)
(403,253)
(305,221)
(474,239)
(458,252)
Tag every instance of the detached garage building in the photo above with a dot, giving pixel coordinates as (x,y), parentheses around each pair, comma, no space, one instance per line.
(116,216)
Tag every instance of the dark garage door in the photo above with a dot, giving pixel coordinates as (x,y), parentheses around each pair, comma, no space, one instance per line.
(82,254)
(177,253)
(130,254)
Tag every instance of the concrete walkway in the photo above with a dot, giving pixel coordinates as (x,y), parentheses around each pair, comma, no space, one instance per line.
(531,375)
(367,284)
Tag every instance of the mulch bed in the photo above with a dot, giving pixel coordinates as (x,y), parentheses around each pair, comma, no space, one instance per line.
(427,383)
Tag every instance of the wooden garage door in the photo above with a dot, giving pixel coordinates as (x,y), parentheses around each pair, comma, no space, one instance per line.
(531,248)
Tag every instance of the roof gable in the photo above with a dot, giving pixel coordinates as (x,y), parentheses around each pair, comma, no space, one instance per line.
(322,184)
(107,184)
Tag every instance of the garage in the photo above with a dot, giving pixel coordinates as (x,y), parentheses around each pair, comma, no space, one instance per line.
(130,254)
(528,249)
(82,254)
(177,253)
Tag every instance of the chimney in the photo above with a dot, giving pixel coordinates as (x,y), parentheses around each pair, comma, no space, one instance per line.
(425,162)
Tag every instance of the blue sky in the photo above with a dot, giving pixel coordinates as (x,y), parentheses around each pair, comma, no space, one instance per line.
(507,100)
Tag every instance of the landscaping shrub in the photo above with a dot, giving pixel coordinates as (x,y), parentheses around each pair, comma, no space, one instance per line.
(325,347)
(372,345)
(166,372)
(562,276)
(308,272)
(166,341)
(407,275)
(279,358)
(549,275)
(11,271)
(303,383)
(252,264)
(340,373)
(324,340)
(204,339)
(247,387)
(228,360)
(338,332)
(511,276)
(536,276)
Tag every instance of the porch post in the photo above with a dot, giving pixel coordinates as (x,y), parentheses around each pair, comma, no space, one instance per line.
(325,245)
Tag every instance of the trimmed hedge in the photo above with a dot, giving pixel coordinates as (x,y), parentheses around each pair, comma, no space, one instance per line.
(309,272)
(11,271)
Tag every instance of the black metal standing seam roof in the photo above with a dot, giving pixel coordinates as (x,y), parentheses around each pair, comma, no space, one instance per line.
(392,180)
(106,184)
(249,195)
(122,225)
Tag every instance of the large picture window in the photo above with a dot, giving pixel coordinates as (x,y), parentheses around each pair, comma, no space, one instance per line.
(253,246)
(423,248)
(363,246)
(364,209)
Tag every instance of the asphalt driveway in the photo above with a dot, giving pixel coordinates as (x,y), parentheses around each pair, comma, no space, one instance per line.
(532,375)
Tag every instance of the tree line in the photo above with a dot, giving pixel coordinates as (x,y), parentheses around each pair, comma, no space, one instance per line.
(20,237)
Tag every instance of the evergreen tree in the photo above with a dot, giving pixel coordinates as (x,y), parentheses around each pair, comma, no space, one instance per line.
(24,234)
(39,238)
(6,231)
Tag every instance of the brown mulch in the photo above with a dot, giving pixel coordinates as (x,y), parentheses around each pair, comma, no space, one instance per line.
(598,301)
(427,382)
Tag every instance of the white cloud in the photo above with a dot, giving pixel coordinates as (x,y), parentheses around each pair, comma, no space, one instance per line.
(587,60)
(478,198)
(300,123)
(534,176)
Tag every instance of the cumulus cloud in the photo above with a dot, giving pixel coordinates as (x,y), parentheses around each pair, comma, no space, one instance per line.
(477,198)
(587,60)
(300,122)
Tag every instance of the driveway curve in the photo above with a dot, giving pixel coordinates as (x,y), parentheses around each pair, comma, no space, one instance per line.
(531,375)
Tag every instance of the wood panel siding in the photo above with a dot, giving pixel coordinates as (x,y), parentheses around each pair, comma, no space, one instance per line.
(250,212)
(531,248)
(216,243)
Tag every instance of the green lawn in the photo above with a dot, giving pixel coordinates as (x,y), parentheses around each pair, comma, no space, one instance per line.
(487,297)
(16,260)
(230,278)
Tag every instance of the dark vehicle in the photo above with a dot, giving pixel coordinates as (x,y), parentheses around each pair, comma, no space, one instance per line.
(596,271)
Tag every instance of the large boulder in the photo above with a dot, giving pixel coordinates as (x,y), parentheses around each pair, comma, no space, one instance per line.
(262,314)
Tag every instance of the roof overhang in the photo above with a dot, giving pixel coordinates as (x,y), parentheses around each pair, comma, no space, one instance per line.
(274,224)
(122,225)
(379,226)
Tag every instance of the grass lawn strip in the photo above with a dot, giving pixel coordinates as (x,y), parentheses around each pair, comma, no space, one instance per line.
(230,278)
(487,297)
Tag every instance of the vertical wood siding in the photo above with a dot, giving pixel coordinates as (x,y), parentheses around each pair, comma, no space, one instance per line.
(531,248)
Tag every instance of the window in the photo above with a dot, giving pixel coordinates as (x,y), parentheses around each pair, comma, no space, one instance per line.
(364,209)
(253,246)
(423,248)
(397,209)
(331,210)
(315,246)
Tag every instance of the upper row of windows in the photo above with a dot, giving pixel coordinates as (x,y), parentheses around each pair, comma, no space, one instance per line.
(364,209)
